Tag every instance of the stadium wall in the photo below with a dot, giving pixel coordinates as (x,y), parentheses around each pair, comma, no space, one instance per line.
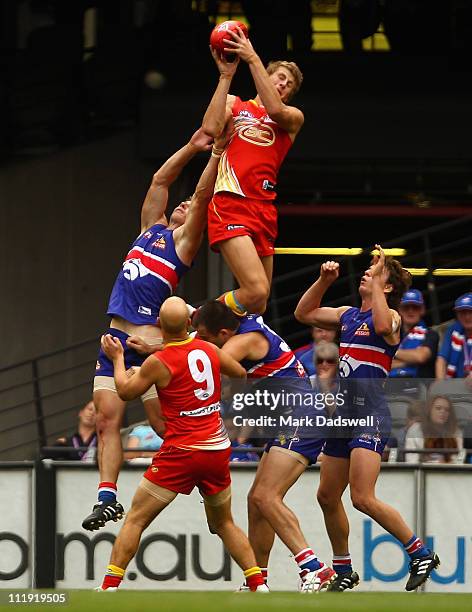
(45,546)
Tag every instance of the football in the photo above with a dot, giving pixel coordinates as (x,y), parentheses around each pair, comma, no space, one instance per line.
(220,32)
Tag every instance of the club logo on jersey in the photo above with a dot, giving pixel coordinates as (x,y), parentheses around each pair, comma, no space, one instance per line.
(255,132)
(154,468)
(362,330)
(133,269)
(160,243)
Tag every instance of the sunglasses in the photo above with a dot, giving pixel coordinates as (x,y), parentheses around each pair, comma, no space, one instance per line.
(329,361)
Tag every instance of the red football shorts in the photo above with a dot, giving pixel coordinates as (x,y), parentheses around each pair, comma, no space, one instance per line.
(181,470)
(231,215)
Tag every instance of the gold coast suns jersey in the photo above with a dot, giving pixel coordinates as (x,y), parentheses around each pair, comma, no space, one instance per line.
(251,161)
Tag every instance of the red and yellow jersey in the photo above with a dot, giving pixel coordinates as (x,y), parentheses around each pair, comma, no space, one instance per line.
(191,401)
(252,159)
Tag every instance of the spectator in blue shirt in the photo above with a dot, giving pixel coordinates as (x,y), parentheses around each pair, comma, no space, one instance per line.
(416,355)
(307,354)
(455,355)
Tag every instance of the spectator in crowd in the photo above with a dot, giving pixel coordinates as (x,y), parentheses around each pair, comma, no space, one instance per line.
(455,355)
(85,436)
(307,354)
(416,355)
(326,366)
(414,414)
(438,429)
(142,436)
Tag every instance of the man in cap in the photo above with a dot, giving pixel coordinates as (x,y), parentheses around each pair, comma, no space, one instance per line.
(455,355)
(416,355)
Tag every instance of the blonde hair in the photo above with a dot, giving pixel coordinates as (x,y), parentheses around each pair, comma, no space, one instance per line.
(292,68)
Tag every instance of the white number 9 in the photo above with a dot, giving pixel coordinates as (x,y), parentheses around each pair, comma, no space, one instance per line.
(200,368)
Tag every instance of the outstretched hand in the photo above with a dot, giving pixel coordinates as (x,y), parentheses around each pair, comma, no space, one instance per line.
(240,45)
(329,271)
(226,68)
(201,141)
(378,262)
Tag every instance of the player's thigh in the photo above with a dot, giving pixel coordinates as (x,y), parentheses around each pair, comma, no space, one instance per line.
(334,477)
(268,263)
(110,407)
(218,508)
(241,256)
(364,470)
(278,471)
(148,501)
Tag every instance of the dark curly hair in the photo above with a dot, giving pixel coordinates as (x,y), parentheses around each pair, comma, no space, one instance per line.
(399,278)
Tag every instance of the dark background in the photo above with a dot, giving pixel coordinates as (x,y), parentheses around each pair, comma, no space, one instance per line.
(385,149)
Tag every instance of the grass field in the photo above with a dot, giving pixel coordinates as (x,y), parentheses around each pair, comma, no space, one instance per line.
(165,601)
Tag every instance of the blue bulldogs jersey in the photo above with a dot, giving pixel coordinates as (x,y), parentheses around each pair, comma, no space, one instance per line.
(149,275)
(279,361)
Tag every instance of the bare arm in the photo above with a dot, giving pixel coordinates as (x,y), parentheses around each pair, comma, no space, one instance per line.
(153,371)
(386,321)
(230,366)
(287,117)
(188,237)
(155,202)
(418,355)
(219,112)
(309,310)
(440,367)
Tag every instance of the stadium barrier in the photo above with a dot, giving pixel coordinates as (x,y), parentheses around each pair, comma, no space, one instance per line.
(43,545)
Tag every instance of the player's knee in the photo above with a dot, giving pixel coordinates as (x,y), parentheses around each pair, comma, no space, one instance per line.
(106,423)
(261,500)
(363,503)
(255,293)
(219,526)
(327,498)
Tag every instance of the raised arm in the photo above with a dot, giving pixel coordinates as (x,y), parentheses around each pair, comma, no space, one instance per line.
(188,237)
(219,112)
(386,321)
(309,310)
(287,117)
(155,202)
(230,366)
(129,387)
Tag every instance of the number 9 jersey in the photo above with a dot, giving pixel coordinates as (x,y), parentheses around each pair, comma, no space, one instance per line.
(191,402)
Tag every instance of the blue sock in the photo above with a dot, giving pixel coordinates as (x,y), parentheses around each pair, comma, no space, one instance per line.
(307,561)
(107,492)
(342,564)
(416,548)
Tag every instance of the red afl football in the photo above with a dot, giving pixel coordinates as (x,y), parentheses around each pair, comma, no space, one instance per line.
(221,31)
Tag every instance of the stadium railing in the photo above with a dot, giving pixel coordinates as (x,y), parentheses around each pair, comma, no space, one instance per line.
(39,397)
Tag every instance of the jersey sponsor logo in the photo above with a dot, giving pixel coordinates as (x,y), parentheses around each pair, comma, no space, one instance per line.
(147,235)
(144,310)
(203,411)
(235,227)
(362,330)
(160,243)
(245,113)
(255,132)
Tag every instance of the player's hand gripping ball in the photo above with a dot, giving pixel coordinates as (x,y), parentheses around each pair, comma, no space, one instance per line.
(221,31)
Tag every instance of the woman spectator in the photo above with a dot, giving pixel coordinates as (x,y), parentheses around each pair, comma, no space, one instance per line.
(325,380)
(438,429)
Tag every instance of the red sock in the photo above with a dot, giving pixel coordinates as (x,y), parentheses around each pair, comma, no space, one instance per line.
(254,581)
(111,581)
